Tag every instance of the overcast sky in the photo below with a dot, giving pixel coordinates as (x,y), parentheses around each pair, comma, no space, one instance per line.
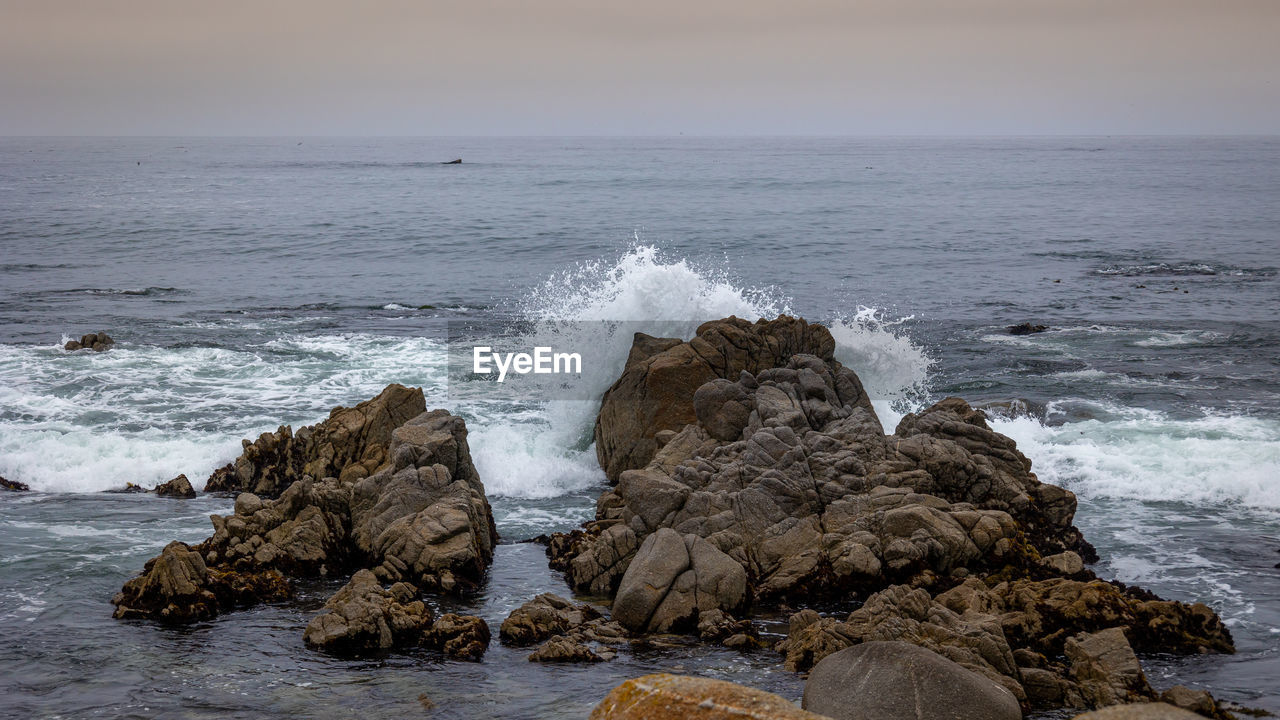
(565,67)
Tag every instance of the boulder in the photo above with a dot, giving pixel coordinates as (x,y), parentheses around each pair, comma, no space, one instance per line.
(13,485)
(362,617)
(1140,711)
(672,579)
(349,445)
(543,617)
(461,637)
(885,680)
(97,342)
(679,697)
(179,487)
(177,587)
(1106,668)
(656,389)
(1026,328)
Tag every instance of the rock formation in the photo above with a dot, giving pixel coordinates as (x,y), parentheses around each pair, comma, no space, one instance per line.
(749,445)
(179,487)
(422,521)
(349,445)
(98,342)
(564,631)
(13,485)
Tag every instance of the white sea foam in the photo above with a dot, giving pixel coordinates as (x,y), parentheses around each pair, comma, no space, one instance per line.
(1146,455)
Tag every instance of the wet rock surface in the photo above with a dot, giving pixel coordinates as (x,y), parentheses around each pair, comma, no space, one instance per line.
(98,342)
(179,487)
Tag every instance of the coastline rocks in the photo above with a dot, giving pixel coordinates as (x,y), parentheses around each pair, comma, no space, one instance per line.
(98,342)
(1106,669)
(179,487)
(656,391)
(364,618)
(895,680)
(349,445)
(672,579)
(423,519)
(13,485)
(678,697)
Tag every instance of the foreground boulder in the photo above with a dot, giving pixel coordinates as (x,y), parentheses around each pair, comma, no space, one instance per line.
(679,697)
(179,487)
(349,445)
(1143,711)
(422,519)
(98,342)
(899,681)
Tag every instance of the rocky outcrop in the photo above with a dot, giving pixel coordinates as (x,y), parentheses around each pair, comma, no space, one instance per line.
(656,390)
(98,342)
(179,487)
(364,618)
(421,521)
(13,485)
(752,441)
(886,680)
(1106,669)
(678,697)
(351,444)
(567,632)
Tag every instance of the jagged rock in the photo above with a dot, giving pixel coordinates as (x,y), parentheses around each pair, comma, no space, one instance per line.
(565,649)
(179,487)
(542,617)
(678,697)
(657,387)
(13,485)
(815,499)
(425,517)
(462,637)
(717,625)
(362,617)
(1139,711)
(1106,668)
(349,445)
(673,579)
(891,680)
(177,587)
(97,342)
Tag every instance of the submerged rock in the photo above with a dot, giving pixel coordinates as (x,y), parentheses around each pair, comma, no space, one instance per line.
(179,487)
(679,697)
(349,445)
(97,342)
(1026,328)
(881,680)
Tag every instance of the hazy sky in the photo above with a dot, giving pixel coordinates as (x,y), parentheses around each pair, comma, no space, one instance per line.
(538,67)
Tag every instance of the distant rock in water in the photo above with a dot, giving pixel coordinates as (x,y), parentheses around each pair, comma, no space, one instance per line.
(349,445)
(97,342)
(751,446)
(453,162)
(1026,329)
(179,487)
(128,488)
(422,519)
(13,485)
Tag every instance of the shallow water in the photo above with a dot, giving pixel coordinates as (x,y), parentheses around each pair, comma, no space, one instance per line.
(251,283)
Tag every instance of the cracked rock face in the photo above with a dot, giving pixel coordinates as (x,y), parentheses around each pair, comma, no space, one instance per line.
(673,579)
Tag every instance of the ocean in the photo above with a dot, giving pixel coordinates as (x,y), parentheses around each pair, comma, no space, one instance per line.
(256,282)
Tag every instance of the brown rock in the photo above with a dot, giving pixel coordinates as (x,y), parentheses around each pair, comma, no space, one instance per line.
(362,617)
(678,697)
(178,487)
(13,485)
(462,637)
(673,579)
(1106,668)
(1139,711)
(542,617)
(350,438)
